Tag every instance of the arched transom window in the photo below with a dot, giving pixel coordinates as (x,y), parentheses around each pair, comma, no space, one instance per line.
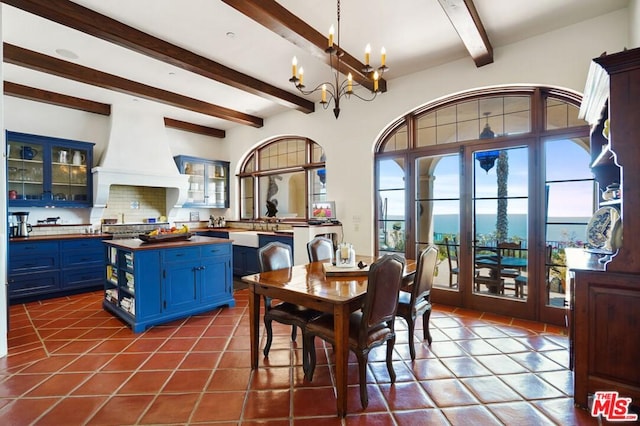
(282,178)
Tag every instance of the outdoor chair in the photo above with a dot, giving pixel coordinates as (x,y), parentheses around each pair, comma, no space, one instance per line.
(452,256)
(488,269)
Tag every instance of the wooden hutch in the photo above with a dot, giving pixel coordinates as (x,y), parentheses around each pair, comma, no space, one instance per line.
(606,296)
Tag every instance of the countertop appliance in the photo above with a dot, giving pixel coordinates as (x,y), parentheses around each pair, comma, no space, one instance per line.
(23,227)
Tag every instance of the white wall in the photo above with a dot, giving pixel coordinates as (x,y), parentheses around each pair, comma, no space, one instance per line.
(560,58)
(634,23)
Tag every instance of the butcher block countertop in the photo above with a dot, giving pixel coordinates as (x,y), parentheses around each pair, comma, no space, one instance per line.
(137,244)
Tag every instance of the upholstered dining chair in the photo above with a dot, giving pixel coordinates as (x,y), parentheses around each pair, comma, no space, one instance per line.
(452,256)
(369,327)
(271,257)
(418,301)
(320,248)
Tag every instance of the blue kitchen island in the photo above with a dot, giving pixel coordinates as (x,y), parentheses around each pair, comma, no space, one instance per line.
(153,283)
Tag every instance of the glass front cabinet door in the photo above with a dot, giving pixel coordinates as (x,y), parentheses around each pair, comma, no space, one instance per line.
(208,181)
(44,171)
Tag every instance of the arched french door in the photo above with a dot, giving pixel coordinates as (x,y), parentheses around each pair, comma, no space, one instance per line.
(493,203)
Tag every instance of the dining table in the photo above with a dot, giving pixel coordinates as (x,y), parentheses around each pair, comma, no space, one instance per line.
(506,262)
(310,286)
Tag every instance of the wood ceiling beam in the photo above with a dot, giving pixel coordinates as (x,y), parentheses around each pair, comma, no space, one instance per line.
(194,128)
(75,16)
(465,19)
(53,98)
(43,63)
(273,16)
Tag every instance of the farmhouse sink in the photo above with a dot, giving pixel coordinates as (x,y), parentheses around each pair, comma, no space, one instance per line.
(245,238)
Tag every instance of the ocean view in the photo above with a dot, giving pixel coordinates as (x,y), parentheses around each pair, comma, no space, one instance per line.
(486,224)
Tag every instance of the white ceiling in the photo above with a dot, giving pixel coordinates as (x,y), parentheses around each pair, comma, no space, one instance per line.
(416,34)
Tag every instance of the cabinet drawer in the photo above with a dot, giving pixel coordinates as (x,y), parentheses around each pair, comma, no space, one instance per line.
(73,258)
(216,250)
(32,284)
(181,254)
(36,247)
(85,277)
(93,244)
(34,263)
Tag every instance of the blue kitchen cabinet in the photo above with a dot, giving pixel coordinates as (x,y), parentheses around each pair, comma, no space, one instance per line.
(44,171)
(33,269)
(153,284)
(39,269)
(181,278)
(216,264)
(82,263)
(208,181)
(245,260)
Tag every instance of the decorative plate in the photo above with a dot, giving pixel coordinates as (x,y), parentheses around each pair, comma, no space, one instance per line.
(600,228)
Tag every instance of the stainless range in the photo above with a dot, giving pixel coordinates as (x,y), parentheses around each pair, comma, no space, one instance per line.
(122,231)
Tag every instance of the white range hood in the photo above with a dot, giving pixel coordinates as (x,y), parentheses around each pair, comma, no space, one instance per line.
(137,154)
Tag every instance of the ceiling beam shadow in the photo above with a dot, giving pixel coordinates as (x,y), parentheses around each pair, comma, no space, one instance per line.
(465,19)
(273,16)
(53,98)
(43,63)
(73,15)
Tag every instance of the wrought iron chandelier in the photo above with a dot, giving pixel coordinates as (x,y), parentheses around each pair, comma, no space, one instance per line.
(338,88)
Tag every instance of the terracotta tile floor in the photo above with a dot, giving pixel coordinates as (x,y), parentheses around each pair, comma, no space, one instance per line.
(71,363)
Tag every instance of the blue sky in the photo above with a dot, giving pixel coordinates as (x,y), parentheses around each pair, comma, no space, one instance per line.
(564,160)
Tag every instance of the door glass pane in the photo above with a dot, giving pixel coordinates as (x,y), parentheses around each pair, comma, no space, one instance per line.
(438,213)
(196,172)
(216,185)
(570,203)
(391,205)
(69,174)
(500,219)
(246,188)
(25,170)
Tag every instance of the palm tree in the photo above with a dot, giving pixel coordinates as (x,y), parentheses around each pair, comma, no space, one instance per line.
(502,175)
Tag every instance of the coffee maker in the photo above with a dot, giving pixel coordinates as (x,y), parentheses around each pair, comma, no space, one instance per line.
(22,228)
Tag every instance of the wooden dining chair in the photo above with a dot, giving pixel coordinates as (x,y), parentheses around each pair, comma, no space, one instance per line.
(452,256)
(369,327)
(522,280)
(271,257)
(320,248)
(418,301)
(488,269)
(510,249)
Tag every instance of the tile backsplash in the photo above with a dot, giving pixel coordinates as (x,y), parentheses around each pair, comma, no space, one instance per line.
(136,203)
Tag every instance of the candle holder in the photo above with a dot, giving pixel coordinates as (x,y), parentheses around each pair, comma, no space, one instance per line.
(345,256)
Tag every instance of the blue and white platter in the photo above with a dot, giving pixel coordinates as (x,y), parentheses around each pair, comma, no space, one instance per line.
(600,230)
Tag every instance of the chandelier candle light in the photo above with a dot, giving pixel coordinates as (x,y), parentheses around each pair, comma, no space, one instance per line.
(336,89)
